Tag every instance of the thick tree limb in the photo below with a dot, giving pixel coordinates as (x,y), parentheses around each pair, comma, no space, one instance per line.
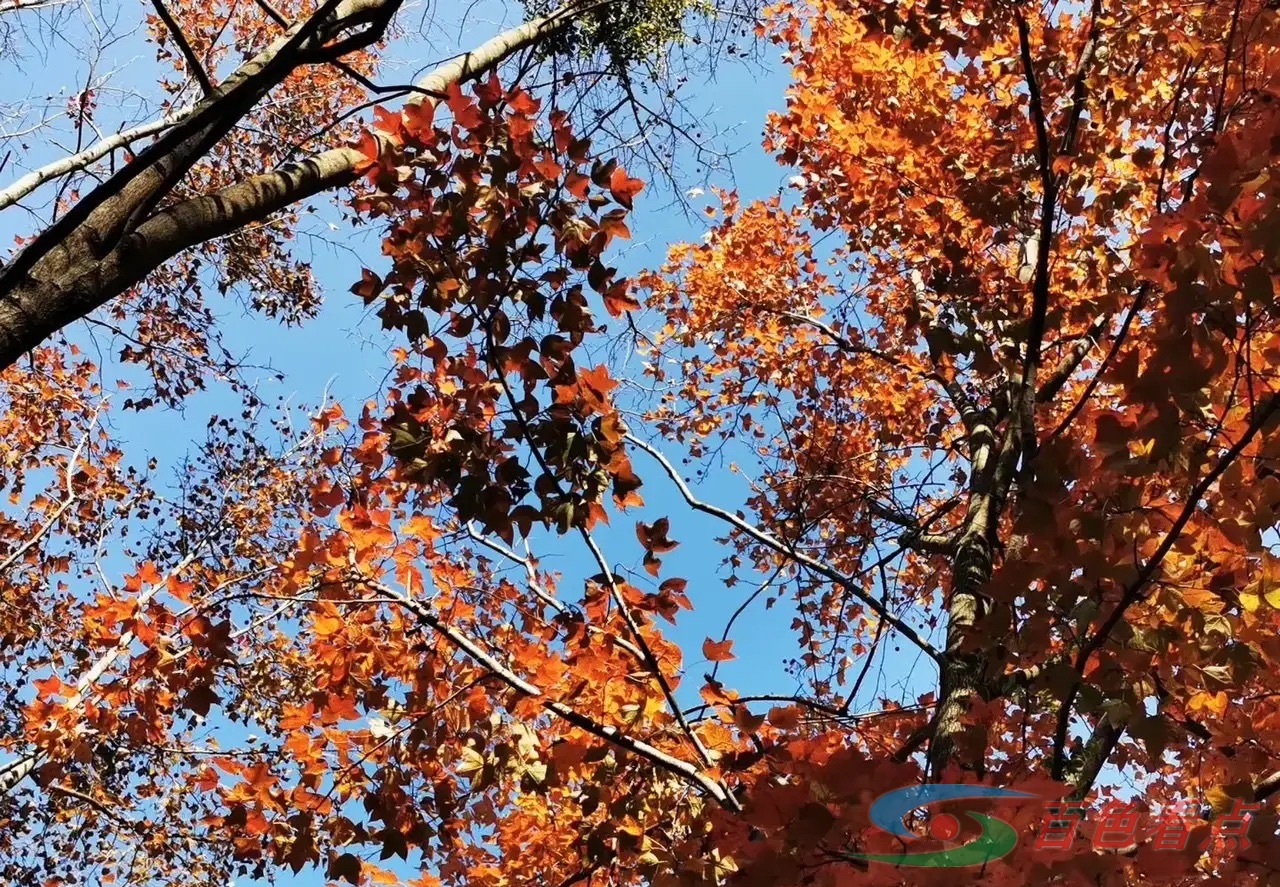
(100,220)
(965,671)
(1088,762)
(115,237)
(30,5)
(1267,787)
(1080,88)
(1040,282)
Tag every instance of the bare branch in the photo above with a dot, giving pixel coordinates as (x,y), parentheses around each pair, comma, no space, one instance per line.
(770,541)
(541,593)
(30,5)
(83,159)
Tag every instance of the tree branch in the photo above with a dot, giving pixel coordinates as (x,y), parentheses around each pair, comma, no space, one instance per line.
(193,63)
(1040,284)
(111,239)
(520,685)
(23,186)
(1135,591)
(1138,302)
(772,542)
(1080,89)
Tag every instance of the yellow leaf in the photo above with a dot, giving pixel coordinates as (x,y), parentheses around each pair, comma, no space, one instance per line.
(328,625)
(1139,449)
(1214,702)
(1219,801)
(470,761)
(382,876)
(1223,798)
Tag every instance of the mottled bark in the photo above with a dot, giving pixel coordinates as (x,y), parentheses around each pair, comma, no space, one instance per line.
(967,663)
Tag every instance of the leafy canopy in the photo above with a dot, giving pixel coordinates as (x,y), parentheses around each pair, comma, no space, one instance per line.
(994,377)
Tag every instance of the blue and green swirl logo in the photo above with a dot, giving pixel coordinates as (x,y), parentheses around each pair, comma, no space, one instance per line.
(996,840)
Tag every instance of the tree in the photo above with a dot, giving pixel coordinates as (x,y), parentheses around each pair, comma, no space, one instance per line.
(247,146)
(996,374)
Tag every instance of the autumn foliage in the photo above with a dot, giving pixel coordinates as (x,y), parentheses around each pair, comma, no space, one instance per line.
(982,407)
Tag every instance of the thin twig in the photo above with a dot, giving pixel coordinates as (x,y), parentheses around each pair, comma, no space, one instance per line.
(770,541)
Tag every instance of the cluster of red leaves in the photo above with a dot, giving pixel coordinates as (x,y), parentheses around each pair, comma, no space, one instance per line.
(496,234)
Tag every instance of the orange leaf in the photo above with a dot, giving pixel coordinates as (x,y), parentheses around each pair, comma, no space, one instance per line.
(717,651)
(523,103)
(785,717)
(624,188)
